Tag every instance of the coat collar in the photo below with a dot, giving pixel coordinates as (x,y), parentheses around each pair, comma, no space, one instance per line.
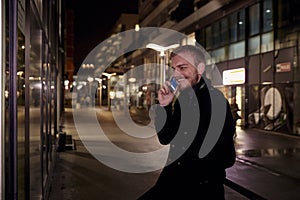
(202,84)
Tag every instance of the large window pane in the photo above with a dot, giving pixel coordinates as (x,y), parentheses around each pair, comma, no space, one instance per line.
(237,50)
(253,45)
(200,37)
(233,27)
(35,89)
(216,34)
(21,114)
(254,17)
(237,26)
(267,16)
(241,24)
(208,37)
(218,55)
(254,105)
(39,4)
(267,43)
(224,31)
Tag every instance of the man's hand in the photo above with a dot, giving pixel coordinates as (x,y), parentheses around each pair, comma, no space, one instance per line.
(165,96)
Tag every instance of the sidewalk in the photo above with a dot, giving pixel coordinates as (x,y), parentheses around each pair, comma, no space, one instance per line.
(267,164)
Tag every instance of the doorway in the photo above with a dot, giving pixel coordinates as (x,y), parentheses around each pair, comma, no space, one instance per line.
(237,94)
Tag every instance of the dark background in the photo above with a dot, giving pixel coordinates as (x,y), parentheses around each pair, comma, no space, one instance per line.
(93,21)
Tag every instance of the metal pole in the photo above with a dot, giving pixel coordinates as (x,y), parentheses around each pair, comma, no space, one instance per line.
(2,104)
(163,70)
(12,138)
(108,92)
(100,94)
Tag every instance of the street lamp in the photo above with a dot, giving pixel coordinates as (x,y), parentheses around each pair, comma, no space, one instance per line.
(162,51)
(108,87)
(99,90)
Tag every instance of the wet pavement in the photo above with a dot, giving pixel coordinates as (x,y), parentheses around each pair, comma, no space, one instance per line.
(268,164)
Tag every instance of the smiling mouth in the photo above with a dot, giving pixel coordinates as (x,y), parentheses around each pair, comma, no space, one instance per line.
(181,79)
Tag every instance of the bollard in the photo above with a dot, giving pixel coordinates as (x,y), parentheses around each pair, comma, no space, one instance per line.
(61,142)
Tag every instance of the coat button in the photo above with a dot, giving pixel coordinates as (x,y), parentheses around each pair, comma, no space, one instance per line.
(178,163)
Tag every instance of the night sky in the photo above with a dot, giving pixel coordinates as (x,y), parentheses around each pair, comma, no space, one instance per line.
(94,19)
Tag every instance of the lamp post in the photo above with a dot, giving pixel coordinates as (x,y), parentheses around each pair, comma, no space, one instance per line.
(99,91)
(108,87)
(162,50)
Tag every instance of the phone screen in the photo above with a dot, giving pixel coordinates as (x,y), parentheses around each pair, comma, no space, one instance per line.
(173,84)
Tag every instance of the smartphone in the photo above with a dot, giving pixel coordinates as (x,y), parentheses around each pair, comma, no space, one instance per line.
(173,84)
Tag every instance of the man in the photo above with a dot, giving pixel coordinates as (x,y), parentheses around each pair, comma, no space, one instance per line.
(188,113)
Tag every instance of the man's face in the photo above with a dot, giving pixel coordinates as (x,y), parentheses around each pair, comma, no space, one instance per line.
(184,70)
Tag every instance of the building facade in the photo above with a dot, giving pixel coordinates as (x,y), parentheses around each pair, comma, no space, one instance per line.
(32,60)
(253,43)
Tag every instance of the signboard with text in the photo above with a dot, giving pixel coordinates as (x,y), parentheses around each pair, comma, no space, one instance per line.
(283,67)
(234,76)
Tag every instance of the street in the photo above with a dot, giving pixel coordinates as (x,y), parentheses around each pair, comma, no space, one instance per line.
(267,164)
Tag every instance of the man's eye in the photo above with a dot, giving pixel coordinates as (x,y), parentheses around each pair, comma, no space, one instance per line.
(180,68)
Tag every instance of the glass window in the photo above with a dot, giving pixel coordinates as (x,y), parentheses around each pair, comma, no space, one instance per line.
(208,37)
(241,24)
(216,34)
(237,50)
(254,17)
(224,31)
(253,45)
(21,113)
(34,108)
(39,4)
(233,27)
(254,117)
(267,43)
(218,55)
(200,37)
(267,16)
(237,26)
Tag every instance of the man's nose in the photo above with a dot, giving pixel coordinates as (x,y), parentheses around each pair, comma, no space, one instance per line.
(177,72)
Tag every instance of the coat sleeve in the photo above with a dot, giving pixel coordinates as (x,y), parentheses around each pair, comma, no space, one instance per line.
(165,124)
(225,148)
(223,154)
(228,135)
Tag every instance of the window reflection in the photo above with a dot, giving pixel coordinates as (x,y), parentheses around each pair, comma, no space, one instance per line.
(267,43)
(237,50)
(237,26)
(218,55)
(21,112)
(34,109)
(254,16)
(267,16)
(253,45)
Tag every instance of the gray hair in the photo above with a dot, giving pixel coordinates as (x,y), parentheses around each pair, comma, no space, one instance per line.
(196,52)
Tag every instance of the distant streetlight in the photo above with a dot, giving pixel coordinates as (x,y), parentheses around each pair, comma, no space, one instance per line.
(108,87)
(162,51)
(137,27)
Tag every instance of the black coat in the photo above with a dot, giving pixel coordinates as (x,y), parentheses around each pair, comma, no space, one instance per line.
(188,121)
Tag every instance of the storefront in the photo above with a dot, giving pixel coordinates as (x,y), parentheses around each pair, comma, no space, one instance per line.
(31,35)
(260,39)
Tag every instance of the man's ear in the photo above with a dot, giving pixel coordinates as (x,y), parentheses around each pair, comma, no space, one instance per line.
(201,68)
